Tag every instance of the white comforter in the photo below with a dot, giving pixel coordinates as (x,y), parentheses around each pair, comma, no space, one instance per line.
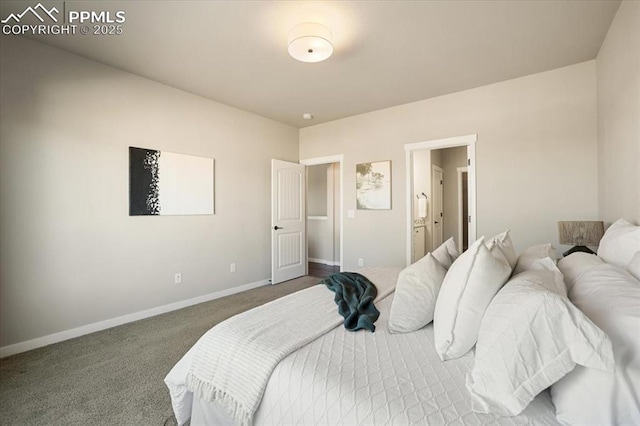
(347,378)
(232,363)
(610,297)
(379,379)
(234,360)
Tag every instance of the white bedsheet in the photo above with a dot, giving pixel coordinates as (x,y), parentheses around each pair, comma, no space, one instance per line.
(347,378)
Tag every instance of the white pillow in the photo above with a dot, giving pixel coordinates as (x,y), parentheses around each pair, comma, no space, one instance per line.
(530,337)
(503,243)
(415,297)
(620,243)
(533,253)
(548,264)
(576,264)
(634,266)
(446,253)
(610,297)
(470,284)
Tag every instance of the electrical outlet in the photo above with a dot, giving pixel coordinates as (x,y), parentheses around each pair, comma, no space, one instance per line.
(360,261)
(232,267)
(177,278)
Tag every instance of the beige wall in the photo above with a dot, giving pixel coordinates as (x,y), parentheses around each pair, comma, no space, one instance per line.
(421,180)
(70,254)
(618,69)
(317,190)
(536,158)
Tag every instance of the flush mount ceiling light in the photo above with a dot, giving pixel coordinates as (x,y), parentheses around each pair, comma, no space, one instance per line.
(310,42)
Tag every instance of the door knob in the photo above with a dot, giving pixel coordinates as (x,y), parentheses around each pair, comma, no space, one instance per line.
(436,222)
(275,228)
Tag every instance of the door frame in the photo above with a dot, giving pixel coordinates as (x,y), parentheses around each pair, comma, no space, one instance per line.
(330,159)
(461,170)
(467,140)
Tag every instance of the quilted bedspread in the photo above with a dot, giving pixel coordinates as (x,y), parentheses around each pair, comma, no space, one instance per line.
(348,378)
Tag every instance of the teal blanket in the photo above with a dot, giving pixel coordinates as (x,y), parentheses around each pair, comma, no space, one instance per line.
(354,297)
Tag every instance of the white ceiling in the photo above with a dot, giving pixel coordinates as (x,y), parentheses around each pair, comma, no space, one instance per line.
(386,52)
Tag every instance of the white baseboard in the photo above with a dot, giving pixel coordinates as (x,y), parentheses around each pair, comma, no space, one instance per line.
(323,261)
(28,345)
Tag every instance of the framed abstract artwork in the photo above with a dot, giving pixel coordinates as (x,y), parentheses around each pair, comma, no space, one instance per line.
(373,186)
(165,183)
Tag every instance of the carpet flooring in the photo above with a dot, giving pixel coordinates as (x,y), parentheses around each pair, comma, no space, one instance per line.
(115,377)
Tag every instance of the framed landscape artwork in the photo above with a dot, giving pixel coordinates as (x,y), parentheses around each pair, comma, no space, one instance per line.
(165,183)
(373,186)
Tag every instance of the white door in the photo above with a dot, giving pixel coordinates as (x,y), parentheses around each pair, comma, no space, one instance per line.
(436,191)
(288,237)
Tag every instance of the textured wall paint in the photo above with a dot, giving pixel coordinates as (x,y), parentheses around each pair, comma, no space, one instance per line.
(71,255)
(536,158)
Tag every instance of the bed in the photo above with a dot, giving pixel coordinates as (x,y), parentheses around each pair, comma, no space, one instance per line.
(342,377)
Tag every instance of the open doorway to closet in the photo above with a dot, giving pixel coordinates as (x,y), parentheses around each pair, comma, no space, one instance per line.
(440,194)
(324,227)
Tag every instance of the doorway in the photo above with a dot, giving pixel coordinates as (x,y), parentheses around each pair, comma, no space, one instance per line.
(427,165)
(324,215)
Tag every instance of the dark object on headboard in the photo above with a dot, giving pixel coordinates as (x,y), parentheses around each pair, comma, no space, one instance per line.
(583,249)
